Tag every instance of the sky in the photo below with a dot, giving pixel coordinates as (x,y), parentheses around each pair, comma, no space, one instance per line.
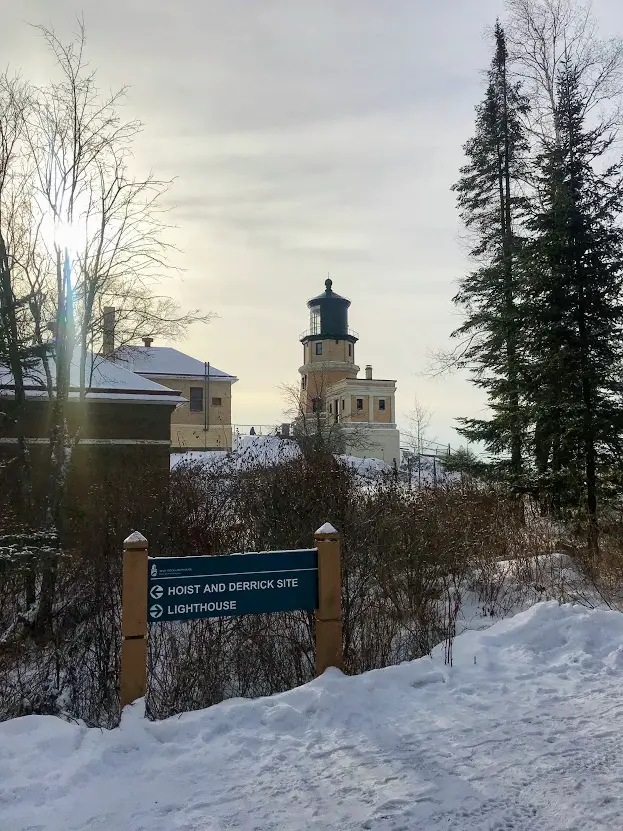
(305,138)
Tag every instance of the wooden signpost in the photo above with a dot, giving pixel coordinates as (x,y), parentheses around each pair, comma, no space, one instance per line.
(158,589)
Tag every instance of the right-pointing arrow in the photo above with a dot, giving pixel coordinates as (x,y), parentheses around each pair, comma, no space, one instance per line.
(155,611)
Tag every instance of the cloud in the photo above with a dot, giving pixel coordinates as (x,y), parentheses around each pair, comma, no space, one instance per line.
(304,138)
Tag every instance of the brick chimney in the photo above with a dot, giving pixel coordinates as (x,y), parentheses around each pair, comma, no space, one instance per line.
(148,341)
(368,372)
(108,331)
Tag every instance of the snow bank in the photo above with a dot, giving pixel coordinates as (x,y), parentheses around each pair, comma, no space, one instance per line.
(250,451)
(523,733)
(368,467)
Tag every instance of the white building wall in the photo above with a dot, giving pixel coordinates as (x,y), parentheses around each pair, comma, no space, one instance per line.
(381,442)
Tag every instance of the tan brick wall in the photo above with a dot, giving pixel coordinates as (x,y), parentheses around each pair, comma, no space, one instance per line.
(318,383)
(191,437)
(359,415)
(383,416)
(331,351)
(216,389)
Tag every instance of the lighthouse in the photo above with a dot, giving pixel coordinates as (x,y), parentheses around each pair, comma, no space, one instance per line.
(328,347)
(363,408)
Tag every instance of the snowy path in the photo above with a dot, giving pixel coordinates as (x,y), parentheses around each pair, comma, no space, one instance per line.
(524,733)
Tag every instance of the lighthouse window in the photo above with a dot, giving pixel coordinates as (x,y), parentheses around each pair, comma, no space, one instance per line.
(381,403)
(350,350)
(360,403)
(314,320)
(319,347)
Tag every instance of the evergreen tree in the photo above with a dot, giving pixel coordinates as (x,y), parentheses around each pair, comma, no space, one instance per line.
(491,204)
(575,310)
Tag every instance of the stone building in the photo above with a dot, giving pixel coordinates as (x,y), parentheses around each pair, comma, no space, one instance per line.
(203,419)
(364,408)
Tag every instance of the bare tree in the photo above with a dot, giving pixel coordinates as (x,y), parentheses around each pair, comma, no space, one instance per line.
(542,35)
(416,437)
(316,426)
(84,232)
(419,421)
(15,349)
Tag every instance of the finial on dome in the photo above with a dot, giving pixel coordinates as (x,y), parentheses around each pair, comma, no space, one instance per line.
(328,283)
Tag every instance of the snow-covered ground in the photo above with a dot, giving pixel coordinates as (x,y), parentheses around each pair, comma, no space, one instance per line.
(253,451)
(523,733)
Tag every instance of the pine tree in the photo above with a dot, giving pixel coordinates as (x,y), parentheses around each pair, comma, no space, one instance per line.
(575,309)
(491,204)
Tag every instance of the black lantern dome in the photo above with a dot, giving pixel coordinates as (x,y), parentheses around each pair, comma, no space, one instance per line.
(328,316)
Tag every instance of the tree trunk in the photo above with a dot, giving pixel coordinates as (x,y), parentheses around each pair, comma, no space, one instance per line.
(509,295)
(9,323)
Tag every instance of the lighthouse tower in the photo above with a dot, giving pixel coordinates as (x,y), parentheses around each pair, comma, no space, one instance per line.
(328,348)
(364,408)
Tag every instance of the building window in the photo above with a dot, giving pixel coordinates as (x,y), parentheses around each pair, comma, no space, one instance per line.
(196,399)
(217,402)
(360,403)
(343,403)
(319,347)
(350,350)
(304,382)
(381,403)
(330,408)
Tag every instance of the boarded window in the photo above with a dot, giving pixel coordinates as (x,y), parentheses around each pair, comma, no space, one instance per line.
(360,403)
(196,399)
(217,402)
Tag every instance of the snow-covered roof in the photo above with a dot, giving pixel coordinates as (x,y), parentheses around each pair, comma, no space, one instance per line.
(105,381)
(165,361)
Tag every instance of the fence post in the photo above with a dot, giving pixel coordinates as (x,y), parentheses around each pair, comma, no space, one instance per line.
(133,683)
(329,614)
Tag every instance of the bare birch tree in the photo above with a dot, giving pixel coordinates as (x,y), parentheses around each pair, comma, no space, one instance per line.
(542,35)
(85,233)
(16,351)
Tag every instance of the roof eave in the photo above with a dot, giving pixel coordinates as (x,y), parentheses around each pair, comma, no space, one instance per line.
(178,376)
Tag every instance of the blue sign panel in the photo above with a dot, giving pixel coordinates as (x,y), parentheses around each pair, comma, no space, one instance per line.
(185,588)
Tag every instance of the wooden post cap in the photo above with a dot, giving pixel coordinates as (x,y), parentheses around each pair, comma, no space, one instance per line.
(326,531)
(135,540)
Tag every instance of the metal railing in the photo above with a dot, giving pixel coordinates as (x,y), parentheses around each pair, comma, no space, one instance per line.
(434,449)
(308,333)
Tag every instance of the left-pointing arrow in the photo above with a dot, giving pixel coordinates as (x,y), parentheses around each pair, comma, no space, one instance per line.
(155,611)
(156,592)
